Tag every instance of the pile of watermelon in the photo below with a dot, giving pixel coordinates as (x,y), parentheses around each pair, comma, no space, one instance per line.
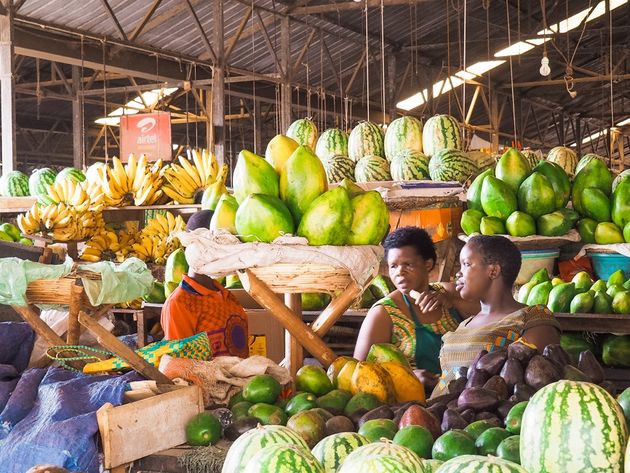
(18,184)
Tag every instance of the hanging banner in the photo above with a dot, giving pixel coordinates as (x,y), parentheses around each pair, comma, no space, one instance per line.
(146,133)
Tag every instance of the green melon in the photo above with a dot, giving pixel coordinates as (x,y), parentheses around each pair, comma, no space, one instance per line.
(408,165)
(532,157)
(372,168)
(338,168)
(304,132)
(365,139)
(358,460)
(404,133)
(440,132)
(37,182)
(566,412)
(451,165)
(481,464)
(331,143)
(70,173)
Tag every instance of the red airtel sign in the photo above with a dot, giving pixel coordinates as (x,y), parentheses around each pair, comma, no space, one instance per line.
(146,133)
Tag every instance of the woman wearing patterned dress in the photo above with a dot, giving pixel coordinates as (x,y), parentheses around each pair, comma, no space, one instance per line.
(489,266)
(415,325)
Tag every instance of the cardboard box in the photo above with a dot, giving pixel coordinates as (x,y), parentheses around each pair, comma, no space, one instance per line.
(266,335)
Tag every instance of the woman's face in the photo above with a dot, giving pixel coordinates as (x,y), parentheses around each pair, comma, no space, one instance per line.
(473,278)
(407,269)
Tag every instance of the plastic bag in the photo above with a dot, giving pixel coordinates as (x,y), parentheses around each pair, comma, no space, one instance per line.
(17,273)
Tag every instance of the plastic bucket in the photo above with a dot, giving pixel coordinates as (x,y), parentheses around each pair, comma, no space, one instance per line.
(604,264)
(534,260)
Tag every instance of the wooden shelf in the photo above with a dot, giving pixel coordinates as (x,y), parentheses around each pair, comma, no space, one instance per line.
(598,323)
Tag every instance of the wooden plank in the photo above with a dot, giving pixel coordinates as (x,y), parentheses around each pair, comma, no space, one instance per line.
(39,326)
(141,428)
(338,305)
(293,351)
(111,343)
(304,335)
(598,323)
(74,327)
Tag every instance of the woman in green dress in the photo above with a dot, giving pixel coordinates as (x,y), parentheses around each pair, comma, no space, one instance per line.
(417,314)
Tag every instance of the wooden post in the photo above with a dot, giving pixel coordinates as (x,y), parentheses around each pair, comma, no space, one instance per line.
(39,326)
(78,145)
(494,121)
(209,130)
(285,86)
(111,343)
(7,88)
(335,309)
(293,351)
(218,83)
(302,332)
(74,327)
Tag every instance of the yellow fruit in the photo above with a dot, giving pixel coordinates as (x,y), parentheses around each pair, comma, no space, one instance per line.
(278,151)
(370,378)
(406,386)
(344,378)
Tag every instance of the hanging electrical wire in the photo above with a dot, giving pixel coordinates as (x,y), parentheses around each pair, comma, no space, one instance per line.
(79,91)
(103,42)
(465,21)
(367,63)
(383,59)
(610,66)
(254,81)
(507,13)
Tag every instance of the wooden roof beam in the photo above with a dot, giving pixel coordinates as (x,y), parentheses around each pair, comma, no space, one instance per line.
(112,15)
(348,6)
(147,16)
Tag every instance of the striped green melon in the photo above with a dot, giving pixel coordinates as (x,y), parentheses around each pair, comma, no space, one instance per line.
(14,184)
(331,451)
(92,173)
(254,440)
(332,142)
(37,182)
(401,134)
(381,464)
(565,158)
(357,460)
(408,165)
(480,464)
(283,459)
(622,176)
(575,427)
(372,168)
(482,160)
(70,173)
(431,465)
(532,157)
(338,168)
(304,131)
(451,165)
(440,132)
(587,158)
(365,139)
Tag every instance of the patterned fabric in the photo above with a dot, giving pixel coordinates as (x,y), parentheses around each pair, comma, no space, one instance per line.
(403,328)
(461,346)
(196,347)
(193,308)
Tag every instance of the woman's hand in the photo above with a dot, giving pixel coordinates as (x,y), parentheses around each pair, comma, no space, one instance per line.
(427,378)
(429,301)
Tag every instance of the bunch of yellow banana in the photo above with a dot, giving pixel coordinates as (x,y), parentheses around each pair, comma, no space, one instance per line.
(109,245)
(135,183)
(157,240)
(69,192)
(190,177)
(30,221)
(60,222)
(135,304)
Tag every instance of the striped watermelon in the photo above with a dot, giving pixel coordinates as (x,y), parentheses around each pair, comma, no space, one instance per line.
(565,158)
(482,160)
(451,165)
(372,168)
(431,465)
(575,427)
(403,133)
(332,142)
(358,460)
(40,178)
(532,157)
(92,173)
(339,167)
(381,464)
(409,165)
(587,158)
(365,139)
(304,131)
(622,176)
(254,440)
(441,132)
(480,464)
(333,450)
(283,459)
(14,184)
(70,173)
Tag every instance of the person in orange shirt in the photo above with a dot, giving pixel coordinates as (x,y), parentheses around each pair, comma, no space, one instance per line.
(202,304)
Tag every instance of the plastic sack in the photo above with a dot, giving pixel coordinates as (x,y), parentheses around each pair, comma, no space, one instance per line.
(119,283)
(17,273)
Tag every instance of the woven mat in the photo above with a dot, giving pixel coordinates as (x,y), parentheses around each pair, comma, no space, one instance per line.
(205,459)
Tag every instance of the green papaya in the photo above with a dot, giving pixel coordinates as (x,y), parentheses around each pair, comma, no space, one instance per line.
(596,204)
(582,281)
(560,297)
(263,218)
(382,286)
(328,219)
(539,293)
(370,219)
(254,175)
(616,351)
(559,181)
(620,211)
(553,224)
(607,233)
(593,174)
(575,343)
(524,291)
(571,215)
(492,226)
(539,276)
(224,215)
(536,196)
(352,188)
(586,228)
(498,199)
(471,221)
(602,303)
(582,303)
(520,224)
(600,285)
(473,195)
(512,168)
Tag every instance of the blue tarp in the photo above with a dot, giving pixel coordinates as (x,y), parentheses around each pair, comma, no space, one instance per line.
(50,415)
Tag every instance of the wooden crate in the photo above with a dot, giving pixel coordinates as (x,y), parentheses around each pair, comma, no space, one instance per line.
(144,427)
(17,204)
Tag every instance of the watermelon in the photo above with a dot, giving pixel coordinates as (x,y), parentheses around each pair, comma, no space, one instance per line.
(338,168)
(482,464)
(356,461)
(440,132)
(372,168)
(332,142)
(565,158)
(92,173)
(40,178)
(380,464)
(304,131)
(569,413)
(409,165)
(482,160)
(283,458)
(451,165)
(14,184)
(70,173)
(532,157)
(365,139)
(333,450)
(622,176)
(404,133)
(252,441)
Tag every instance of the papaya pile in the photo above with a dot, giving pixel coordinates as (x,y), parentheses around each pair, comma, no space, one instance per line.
(580,295)
(287,193)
